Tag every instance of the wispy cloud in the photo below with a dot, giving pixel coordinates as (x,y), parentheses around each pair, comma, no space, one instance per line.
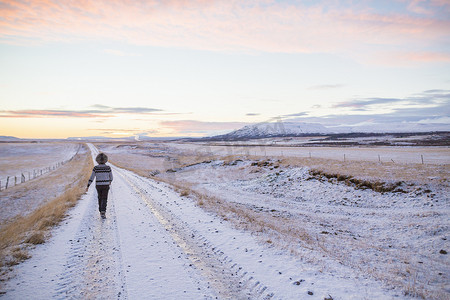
(364,103)
(234,25)
(98,111)
(431,105)
(135,110)
(416,7)
(131,131)
(192,126)
(402,58)
(426,98)
(300,114)
(119,53)
(326,86)
(252,114)
(50,113)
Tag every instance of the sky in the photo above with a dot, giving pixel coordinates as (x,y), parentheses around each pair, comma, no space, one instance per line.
(120,68)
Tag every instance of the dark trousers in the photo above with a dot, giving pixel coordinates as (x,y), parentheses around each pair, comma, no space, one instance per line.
(102,191)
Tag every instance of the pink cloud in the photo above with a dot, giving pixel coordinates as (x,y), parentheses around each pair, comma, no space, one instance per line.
(427,56)
(426,7)
(410,58)
(183,126)
(415,7)
(233,25)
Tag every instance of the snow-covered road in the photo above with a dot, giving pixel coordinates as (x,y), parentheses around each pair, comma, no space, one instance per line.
(156,244)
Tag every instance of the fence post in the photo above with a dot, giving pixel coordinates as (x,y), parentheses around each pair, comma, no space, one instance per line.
(22,179)
(0,185)
(421,156)
(15,180)
(344,157)
(379,158)
(7,182)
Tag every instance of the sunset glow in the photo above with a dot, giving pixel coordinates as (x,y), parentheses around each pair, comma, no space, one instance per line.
(196,68)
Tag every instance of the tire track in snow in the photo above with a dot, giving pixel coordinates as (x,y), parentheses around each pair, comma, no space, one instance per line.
(227,278)
(122,291)
(93,268)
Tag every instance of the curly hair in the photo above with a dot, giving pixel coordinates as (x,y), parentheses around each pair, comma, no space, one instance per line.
(101,158)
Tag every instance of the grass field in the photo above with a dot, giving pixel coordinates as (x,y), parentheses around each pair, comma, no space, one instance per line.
(30,209)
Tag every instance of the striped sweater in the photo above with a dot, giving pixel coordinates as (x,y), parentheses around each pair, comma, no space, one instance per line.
(103,174)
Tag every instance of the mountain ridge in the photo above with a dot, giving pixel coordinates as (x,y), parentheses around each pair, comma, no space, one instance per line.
(296,129)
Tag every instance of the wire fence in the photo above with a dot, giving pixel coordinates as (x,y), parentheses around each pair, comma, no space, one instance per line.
(399,155)
(24,176)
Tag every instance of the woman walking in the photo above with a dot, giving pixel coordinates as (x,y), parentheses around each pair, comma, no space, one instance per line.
(104,176)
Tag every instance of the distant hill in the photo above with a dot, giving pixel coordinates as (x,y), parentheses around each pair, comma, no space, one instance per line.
(8,138)
(292,129)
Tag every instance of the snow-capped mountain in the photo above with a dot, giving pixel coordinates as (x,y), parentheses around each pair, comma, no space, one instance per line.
(278,129)
(275,129)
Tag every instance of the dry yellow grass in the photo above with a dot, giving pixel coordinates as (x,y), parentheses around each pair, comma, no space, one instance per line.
(372,171)
(27,197)
(145,164)
(33,228)
(140,164)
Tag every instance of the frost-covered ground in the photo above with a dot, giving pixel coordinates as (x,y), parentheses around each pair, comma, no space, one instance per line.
(250,228)
(399,238)
(156,244)
(18,158)
(395,237)
(435,139)
(24,198)
(402,155)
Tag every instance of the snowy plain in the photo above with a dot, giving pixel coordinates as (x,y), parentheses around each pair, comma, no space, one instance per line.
(395,237)
(24,198)
(26,158)
(156,244)
(403,155)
